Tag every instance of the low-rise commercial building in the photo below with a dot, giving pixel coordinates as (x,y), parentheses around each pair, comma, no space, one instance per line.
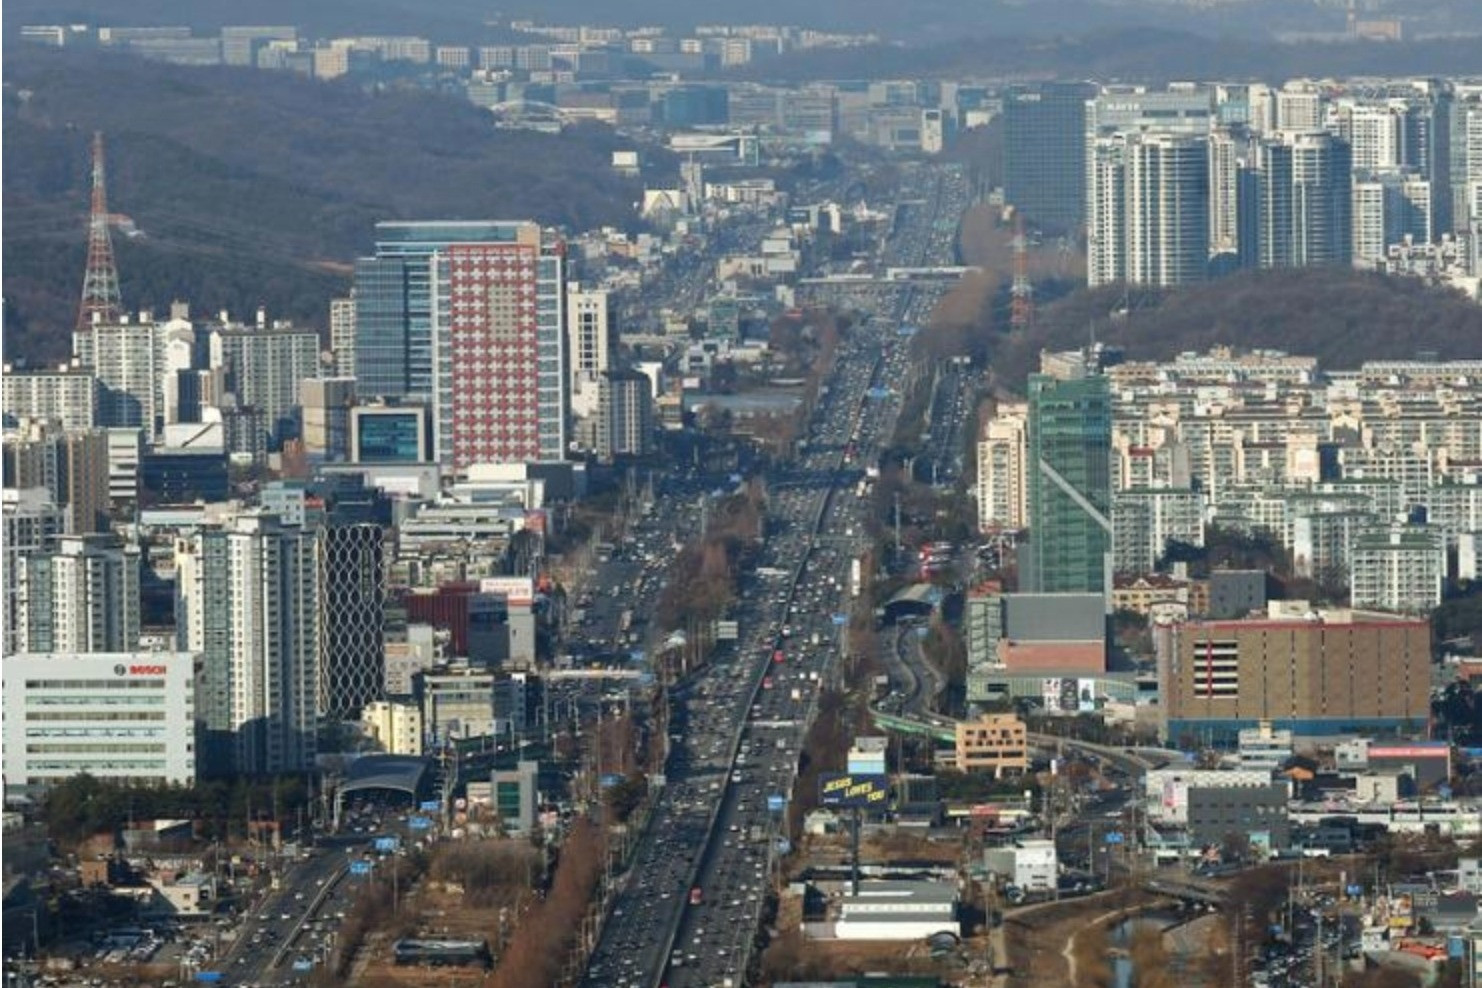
(896,910)
(1029,865)
(996,743)
(1315,673)
(397,726)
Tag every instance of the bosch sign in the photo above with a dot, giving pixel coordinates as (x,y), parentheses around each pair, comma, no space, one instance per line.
(123,670)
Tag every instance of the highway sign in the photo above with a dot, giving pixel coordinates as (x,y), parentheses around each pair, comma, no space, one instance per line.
(303,964)
(386,845)
(360,868)
(776,803)
(854,790)
(431,806)
(209,977)
(419,823)
(1114,837)
(840,620)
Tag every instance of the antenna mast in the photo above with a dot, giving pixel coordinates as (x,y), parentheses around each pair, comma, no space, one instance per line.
(100,298)
(1021,307)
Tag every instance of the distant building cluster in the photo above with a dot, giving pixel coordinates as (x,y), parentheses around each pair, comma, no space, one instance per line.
(168,616)
(394,576)
(1177,185)
(1365,480)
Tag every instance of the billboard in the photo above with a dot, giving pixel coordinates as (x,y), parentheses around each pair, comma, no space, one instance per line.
(518,590)
(1415,749)
(843,789)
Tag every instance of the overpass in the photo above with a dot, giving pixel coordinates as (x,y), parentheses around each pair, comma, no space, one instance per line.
(941,730)
(1187,889)
(557,674)
(893,276)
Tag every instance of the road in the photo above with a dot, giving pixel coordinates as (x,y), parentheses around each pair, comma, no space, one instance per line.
(691,906)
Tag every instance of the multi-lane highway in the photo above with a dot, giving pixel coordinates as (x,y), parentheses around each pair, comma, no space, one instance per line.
(690,909)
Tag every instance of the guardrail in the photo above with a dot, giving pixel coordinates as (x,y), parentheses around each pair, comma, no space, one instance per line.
(314,904)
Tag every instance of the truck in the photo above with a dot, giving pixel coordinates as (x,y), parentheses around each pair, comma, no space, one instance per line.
(625,620)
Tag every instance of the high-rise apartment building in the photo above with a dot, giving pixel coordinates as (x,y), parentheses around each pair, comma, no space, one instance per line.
(1044,144)
(1069,483)
(1003,459)
(73,466)
(1145,521)
(325,407)
(32,520)
(1388,207)
(1228,149)
(1464,153)
(352,615)
(67,396)
(625,418)
(263,367)
(247,599)
(342,335)
(80,594)
(469,316)
(590,343)
(1400,569)
(1167,209)
(1152,199)
(1305,200)
(132,359)
(1117,117)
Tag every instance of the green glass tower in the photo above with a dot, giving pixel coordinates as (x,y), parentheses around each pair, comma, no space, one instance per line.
(1069,485)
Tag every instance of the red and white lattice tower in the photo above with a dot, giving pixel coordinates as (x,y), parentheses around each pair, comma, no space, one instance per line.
(100,298)
(1021,300)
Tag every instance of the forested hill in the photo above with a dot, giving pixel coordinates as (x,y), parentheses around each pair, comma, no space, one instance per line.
(1340,316)
(253,187)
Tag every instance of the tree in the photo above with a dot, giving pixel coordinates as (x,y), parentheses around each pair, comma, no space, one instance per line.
(1092,953)
(1150,958)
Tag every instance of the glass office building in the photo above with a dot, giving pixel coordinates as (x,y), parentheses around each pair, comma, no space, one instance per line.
(1045,152)
(1070,498)
(470,318)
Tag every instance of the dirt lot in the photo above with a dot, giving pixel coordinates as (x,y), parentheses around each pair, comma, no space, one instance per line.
(1036,935)
(442,909)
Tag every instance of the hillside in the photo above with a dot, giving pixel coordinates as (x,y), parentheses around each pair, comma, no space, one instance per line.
(254,187)
(1340,316)
(1110,50)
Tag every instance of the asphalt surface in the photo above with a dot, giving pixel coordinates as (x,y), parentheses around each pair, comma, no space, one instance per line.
(690,909)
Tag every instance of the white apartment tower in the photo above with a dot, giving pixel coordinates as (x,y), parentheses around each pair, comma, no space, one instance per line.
(589,339)
(80,595)
(1003,453)
(1167,204)
(247,599)
(342,334)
